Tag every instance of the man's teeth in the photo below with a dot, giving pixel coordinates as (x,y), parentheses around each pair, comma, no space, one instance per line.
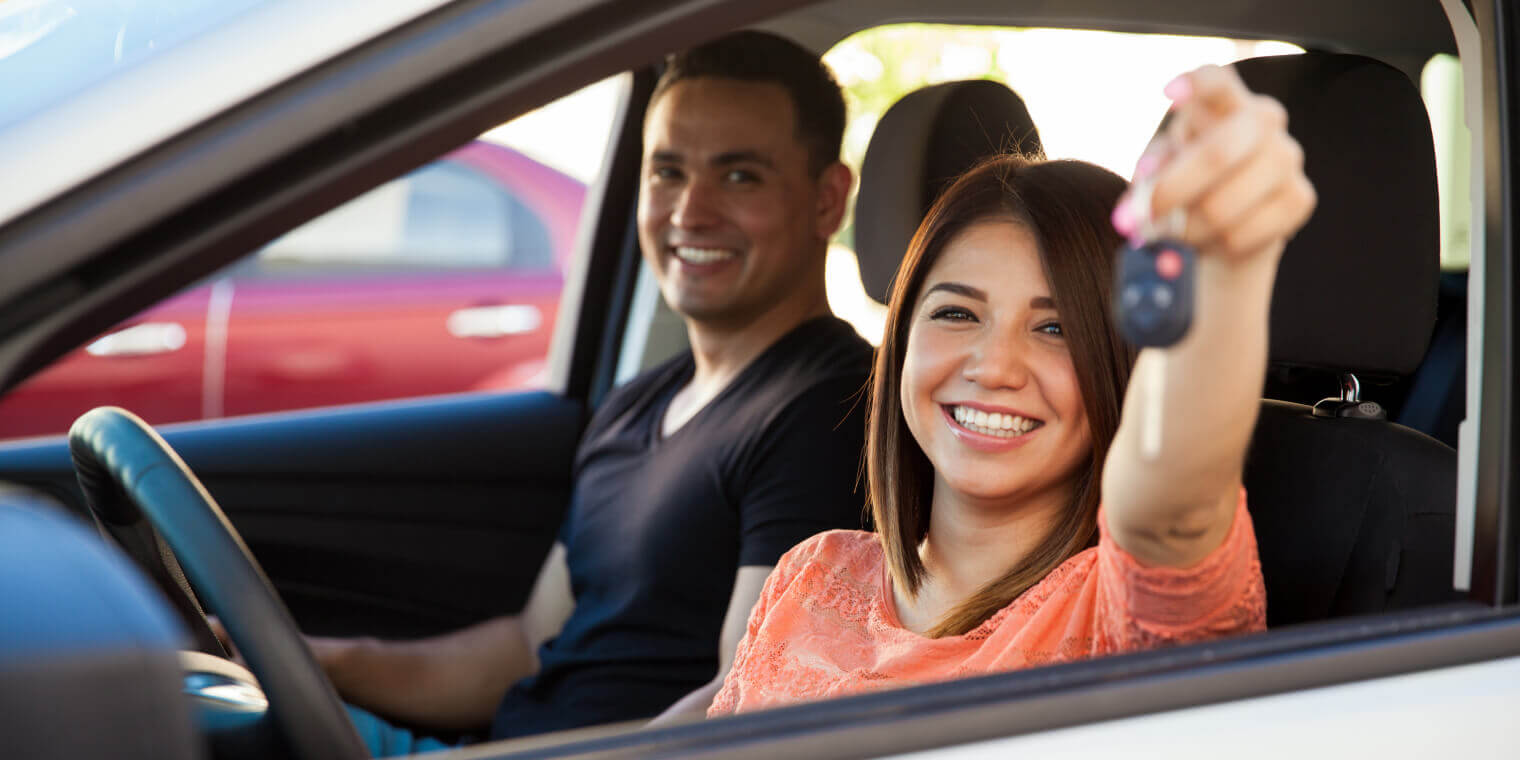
(703,255)
(994,423)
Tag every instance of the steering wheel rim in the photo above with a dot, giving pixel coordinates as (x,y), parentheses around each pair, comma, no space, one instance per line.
(130,476)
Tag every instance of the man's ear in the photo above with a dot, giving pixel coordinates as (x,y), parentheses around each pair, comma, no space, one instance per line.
(833,193)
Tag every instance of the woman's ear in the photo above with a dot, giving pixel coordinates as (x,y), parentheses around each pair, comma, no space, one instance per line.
(833,193)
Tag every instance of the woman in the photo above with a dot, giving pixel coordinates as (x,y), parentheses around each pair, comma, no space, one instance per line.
(996,426)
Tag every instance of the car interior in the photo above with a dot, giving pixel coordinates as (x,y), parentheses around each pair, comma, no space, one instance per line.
(408,518)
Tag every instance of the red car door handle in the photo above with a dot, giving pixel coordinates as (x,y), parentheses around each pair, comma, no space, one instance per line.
(140,340)
(494,321)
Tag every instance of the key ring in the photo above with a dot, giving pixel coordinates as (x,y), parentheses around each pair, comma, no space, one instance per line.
(1171,225)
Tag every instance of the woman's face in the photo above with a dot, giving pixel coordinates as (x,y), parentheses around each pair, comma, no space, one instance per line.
(988,387)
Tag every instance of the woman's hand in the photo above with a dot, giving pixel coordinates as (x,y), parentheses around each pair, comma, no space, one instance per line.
(1226,160)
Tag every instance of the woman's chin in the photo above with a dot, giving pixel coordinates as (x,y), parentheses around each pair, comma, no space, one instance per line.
(1000,488)
(989,487)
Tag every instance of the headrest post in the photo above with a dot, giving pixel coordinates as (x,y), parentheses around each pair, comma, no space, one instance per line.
(1351,388)
(1350,404)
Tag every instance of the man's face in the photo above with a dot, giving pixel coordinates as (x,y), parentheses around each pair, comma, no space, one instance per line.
(730,218)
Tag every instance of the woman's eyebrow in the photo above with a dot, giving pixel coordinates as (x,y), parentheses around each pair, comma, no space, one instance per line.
(1042,302)
(958,289)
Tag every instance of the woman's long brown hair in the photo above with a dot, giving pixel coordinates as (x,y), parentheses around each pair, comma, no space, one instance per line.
(1066,205)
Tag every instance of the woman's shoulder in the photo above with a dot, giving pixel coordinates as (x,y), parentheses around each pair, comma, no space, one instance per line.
(853,552)
(834,547)
(838,569)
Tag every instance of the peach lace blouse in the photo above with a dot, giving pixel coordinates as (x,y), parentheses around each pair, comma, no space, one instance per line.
(825,624)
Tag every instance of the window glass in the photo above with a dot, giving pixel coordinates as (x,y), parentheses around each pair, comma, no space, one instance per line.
(1441,86)
(51,49)
(443,281)
(1115,74)
(443,215)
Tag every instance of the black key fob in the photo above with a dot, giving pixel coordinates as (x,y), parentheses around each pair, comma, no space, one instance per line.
(1153,297)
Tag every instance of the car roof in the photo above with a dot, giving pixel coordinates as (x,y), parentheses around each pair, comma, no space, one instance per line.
(1398,28)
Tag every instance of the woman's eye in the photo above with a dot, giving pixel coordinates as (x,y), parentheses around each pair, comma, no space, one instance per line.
(953,313)
(1051,328)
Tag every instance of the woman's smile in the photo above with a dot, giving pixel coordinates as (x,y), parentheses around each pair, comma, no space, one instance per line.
(985,430)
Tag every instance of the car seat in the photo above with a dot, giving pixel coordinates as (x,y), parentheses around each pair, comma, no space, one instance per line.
(1353,514)
(88,664)
(924,141)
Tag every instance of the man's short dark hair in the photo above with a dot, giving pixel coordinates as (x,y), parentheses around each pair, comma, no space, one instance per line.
(751,56)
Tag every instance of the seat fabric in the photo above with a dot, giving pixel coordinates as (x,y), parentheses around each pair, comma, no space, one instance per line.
(924,141)
(1353,516)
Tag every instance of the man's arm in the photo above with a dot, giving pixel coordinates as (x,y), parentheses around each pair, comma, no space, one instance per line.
(748,583)
(453,681)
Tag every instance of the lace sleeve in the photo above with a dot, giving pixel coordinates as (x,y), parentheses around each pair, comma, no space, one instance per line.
(1144,607)
(776,583)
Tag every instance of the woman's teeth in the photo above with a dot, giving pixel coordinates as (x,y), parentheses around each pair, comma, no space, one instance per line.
(994,423)
(703,255)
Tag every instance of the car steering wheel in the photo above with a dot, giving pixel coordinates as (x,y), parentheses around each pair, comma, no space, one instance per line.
(141,493)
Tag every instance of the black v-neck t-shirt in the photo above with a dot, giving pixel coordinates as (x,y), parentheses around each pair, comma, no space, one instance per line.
(658,525)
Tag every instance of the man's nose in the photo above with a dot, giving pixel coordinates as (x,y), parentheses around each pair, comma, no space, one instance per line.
(998,361)
(694,206)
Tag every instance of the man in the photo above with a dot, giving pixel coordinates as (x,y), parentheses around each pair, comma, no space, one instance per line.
(695,477)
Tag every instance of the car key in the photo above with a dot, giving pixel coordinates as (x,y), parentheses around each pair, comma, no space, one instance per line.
(1153,300)
(1154,292)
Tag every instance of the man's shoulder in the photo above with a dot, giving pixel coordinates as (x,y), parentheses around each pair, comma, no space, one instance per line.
(824,356)
(828,345)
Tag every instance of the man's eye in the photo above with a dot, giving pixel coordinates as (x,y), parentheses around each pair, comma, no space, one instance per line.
(953,314)
(665,173)
(741,177)
(1051,328)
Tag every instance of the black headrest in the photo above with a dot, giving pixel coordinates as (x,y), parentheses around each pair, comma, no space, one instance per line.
(923,142)
(1356,290)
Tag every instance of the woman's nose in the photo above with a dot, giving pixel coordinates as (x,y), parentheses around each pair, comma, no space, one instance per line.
(997,362)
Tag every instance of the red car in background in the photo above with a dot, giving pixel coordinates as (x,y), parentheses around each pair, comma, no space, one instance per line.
(445,280)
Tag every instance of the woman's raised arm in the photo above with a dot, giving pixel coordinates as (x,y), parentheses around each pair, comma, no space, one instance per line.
(1226,160)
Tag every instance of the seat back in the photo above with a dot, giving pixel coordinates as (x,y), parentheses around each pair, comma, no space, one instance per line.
(1353,514)
(922,143)
(88,664)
